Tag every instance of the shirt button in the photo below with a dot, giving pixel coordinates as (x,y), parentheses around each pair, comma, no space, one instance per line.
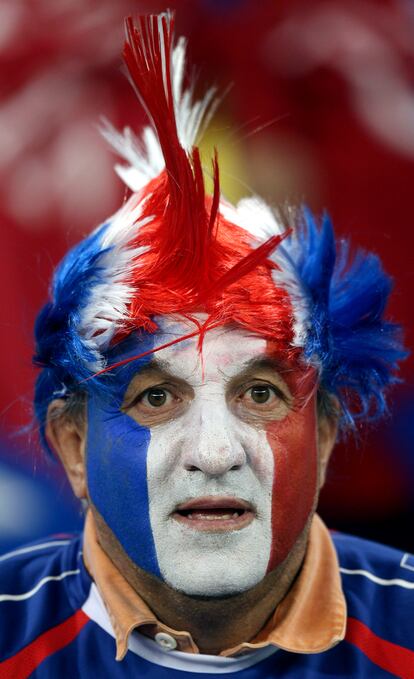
(166,641)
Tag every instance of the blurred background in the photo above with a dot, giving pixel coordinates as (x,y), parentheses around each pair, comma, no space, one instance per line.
(318,107)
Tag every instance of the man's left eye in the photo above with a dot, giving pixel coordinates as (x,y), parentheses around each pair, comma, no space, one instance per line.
(261,394)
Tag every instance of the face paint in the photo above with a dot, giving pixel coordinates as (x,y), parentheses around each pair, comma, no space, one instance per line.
(211,448)
(116,462)
(208,452)
(294,445)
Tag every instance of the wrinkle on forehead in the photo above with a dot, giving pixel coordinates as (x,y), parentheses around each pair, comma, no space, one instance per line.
(226,352)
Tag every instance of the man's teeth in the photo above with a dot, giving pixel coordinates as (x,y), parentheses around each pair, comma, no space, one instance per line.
(212,517)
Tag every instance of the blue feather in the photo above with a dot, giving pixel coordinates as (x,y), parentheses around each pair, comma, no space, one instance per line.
(356,348)
(59,350)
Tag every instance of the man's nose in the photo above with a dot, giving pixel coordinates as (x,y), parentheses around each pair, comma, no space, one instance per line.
(214,448)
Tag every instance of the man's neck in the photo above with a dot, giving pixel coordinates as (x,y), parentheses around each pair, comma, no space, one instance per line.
(215,624)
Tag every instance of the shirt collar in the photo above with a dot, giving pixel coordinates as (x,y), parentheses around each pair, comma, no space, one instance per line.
(310,619)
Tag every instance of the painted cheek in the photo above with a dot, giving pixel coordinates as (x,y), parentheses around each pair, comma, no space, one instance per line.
(117,482)
(117,448)
(294,445)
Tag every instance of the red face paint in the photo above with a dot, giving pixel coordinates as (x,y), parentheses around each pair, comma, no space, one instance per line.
(294,445)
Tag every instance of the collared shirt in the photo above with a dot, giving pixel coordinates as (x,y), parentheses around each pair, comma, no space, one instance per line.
(310,619)
(54,623)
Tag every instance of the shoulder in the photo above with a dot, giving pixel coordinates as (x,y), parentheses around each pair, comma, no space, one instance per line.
(41,585)
(378,583)
(381,565)
(24,570)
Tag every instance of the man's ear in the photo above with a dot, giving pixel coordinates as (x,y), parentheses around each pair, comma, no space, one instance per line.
(327,433)
(67,438)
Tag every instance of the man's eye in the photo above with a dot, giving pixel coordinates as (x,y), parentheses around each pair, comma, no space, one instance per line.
(156,397)
(156,404)
(261,393)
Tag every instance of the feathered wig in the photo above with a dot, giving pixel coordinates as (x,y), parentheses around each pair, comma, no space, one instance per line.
(173,250)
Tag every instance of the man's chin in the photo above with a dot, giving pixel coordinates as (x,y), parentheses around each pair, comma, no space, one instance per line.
(203,566)
(213,564)
(208,579)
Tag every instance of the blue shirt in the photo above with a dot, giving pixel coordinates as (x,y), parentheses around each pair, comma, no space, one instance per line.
(53,623)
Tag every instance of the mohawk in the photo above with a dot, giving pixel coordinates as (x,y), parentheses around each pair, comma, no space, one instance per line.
(173,250)
(186,225)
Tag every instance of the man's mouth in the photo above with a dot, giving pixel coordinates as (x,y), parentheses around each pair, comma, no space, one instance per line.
(214,513)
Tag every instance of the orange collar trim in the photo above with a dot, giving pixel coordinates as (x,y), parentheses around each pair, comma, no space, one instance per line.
(310,619)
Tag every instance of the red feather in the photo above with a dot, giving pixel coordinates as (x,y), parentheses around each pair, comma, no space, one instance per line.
(193,259)
(186,223)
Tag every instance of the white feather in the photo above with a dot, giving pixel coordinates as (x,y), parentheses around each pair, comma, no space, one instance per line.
(256,217)
(191,117)
(286,278)
(107,307)
(143,153)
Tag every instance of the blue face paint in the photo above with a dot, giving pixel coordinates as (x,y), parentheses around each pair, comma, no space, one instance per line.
(117,459)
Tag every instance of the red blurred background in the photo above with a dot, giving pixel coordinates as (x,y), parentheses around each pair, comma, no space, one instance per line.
(320,110)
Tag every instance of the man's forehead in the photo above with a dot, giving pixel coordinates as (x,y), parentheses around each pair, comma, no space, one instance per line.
(258,363)
(225,351)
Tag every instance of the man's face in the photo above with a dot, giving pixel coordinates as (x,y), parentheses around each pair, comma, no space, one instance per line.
(205,465)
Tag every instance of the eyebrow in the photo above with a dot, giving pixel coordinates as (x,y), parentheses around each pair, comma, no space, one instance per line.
(157,365)
(261,362)
(264,362)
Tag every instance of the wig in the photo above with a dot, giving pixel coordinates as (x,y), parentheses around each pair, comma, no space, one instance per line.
(173,250)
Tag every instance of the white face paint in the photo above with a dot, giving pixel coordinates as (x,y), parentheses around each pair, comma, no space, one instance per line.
(207,451)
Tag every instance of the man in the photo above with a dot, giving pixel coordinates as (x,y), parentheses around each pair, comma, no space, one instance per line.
(197,362)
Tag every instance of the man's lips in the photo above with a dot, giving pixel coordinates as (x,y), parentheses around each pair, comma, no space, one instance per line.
(214,513)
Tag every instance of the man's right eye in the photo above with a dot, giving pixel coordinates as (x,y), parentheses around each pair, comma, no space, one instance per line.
(157,404)
(155,397)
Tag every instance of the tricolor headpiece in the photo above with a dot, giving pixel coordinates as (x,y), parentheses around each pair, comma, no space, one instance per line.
(173,250)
